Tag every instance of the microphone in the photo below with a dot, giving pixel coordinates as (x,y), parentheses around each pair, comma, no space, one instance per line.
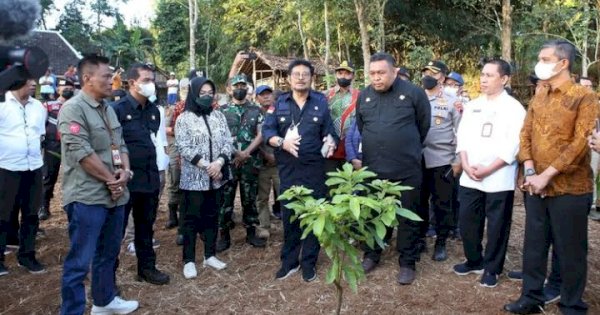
(18,18)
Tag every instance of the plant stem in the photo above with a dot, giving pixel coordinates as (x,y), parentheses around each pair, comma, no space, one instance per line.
(340,291)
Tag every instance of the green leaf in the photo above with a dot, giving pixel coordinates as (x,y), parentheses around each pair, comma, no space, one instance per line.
(355,208)
(332,181)
(350,276)
(319,225)
(380,228)
(408,214)
(332,272)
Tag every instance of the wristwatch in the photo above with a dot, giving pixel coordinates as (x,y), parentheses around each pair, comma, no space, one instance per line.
(529,172)
(279,142)
(130,173)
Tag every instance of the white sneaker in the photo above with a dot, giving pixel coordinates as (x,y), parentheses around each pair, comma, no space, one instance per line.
(214,262)
(117,306)
(131,249)
(155,243)
(189,270)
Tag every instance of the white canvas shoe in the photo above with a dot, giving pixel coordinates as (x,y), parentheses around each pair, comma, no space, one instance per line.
(189,270)
(214,262)
(116,306)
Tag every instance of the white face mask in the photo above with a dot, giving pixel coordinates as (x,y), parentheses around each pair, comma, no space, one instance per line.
(147,89)
(451,90)
(545,71)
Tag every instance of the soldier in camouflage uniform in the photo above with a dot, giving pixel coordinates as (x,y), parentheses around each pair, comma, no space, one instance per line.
(244,119)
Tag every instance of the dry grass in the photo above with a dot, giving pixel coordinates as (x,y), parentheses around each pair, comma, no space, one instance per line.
(247,286)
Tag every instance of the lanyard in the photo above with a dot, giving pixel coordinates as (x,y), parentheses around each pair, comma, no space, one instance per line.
(102,113)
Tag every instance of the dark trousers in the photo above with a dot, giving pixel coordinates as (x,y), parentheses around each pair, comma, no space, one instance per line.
(144,207)
(50,169)
(408,234)
(455,202)
(562,221)
(437,186)
(95,233)
(27,186)
(475,207)
(293,245)
(12,231)
(200,215)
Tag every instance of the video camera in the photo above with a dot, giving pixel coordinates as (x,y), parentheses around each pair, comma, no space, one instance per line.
(19,63)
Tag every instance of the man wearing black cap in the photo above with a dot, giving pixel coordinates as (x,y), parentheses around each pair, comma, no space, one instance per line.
(268,176)
(66,89)
(342,103)
(403,74)
(438,156)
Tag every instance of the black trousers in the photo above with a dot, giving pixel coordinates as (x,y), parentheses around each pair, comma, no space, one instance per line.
(50,169)
(475,207)
(296,250)
(437,186)
(562,221)
(408,234)
(27,185)
(199,215)
(144,207)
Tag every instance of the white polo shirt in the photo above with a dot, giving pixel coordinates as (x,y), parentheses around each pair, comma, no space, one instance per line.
(160,142)
(489,129)
(21,131)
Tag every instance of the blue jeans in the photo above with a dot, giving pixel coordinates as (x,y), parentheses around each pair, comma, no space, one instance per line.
(95,233)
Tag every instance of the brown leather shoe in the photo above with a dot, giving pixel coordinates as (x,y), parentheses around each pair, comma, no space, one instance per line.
(406,276)
(368,265)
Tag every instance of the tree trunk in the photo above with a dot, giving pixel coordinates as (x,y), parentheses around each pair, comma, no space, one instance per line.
(506,31)
(339,40)
(327,44)
(381,22)
(207,47)
(193,18)
(302,38)
(585,39)
(361,15)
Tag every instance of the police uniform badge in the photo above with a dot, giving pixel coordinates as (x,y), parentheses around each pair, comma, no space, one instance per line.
(128,117)
(438,120)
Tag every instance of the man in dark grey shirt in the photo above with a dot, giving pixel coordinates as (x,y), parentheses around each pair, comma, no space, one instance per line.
(393,117)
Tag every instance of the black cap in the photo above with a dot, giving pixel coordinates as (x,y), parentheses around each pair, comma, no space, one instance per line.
(403,71)
(436,66)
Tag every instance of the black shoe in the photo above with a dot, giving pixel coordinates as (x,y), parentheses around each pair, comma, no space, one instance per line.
(224,241)
(3,270)
(516,275)
(154,276)
(284,272)
(40,233)
(368,265)
(43,213)
(277,214)
(489,280)
(254,240)
(439,251)
(521,307)
(173,222)
(454,234)
(179,240)
(465,269)
(32,265)
(406,276)
(309,274)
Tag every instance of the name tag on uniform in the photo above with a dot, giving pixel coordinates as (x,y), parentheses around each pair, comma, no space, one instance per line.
(486,130)
(116,156)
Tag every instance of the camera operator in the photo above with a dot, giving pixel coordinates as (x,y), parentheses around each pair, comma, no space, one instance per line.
(22,129)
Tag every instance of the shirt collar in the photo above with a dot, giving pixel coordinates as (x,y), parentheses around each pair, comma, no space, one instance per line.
(290,95)
(9,96)
(89,100)
(564,87)
(134,103)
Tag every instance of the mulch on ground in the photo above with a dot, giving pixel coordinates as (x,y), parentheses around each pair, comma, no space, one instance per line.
(248,286)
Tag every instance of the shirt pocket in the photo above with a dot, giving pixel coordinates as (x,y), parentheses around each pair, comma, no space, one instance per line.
(284,120)
(100,138)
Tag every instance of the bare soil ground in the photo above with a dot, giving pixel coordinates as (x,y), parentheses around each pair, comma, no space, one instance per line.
(248,286)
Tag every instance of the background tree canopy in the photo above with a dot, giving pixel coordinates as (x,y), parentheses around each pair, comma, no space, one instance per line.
(460,32)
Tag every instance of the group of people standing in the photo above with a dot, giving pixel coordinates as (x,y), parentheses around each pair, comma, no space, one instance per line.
(463,159)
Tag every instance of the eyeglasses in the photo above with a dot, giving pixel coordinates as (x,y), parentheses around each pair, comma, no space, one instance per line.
(298,75)
(205,93)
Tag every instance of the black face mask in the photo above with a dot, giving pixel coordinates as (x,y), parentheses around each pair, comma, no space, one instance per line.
(343,82)
(67,94)
(240,94)
(429,82)
(204,104)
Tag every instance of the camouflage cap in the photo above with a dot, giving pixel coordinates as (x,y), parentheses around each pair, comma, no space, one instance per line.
(239,78)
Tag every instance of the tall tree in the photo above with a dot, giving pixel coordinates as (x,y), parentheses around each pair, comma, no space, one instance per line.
(193,22)
(74,27)
(363,22)
(168,25)
(506,30)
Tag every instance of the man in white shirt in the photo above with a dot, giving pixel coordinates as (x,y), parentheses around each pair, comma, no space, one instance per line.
(488,142)
(172,85)
(47,86)
(22,129)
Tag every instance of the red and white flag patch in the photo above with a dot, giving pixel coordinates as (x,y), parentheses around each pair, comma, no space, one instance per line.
(74,128)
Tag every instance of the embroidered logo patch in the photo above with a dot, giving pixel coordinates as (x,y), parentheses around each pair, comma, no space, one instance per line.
(74,128)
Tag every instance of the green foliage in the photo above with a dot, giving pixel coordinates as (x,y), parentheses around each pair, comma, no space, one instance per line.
(75,28)
(172,29)
(360,210)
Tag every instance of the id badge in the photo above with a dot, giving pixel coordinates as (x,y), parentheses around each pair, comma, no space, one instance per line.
(116,157)
(292,132)
(486,130)
(360,147)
